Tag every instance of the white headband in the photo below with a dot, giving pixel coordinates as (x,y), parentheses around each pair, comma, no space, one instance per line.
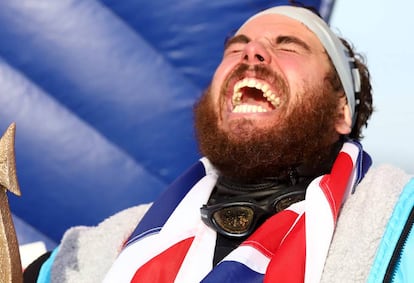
(344,65)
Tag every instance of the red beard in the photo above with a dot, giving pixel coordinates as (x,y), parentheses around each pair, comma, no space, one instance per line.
(305,137)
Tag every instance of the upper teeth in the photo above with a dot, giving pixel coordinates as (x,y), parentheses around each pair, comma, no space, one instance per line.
(250,82)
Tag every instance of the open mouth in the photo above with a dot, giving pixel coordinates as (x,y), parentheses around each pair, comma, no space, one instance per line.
(251,95)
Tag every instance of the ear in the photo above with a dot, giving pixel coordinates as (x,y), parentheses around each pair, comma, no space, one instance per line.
(343,124)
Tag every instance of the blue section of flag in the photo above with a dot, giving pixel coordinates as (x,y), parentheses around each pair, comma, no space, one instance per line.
(162,209)
(232,271)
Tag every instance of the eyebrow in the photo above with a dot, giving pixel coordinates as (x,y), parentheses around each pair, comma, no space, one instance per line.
(287,39)
(241,38)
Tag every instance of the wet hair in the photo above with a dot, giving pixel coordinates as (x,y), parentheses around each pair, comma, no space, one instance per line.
(363,99)
(363,106)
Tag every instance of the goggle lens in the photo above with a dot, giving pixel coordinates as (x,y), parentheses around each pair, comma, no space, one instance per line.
(235,219)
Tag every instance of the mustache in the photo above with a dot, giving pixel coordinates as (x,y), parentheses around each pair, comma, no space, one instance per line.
(262,72)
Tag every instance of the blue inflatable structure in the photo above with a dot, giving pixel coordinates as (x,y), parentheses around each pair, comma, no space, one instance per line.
(102,95)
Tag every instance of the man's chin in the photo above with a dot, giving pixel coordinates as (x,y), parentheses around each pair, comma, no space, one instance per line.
(243,126)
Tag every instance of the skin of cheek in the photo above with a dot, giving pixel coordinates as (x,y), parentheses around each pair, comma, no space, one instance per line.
(299,74)
(222,71)
(214,96)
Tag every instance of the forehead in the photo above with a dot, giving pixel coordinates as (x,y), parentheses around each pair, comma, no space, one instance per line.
(273,25)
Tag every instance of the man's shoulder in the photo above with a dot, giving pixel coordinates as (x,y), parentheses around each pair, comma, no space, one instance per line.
(387,169)
(362,223)
(384,179)
(378,191)
(92,250)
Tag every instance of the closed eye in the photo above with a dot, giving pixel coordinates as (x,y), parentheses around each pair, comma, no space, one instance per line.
(288,50)
(235,44)
(291,43)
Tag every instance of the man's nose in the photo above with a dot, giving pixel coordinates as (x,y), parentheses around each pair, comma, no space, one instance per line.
(255,53)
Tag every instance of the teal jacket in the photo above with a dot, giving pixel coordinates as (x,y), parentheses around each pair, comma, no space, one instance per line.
(395,258)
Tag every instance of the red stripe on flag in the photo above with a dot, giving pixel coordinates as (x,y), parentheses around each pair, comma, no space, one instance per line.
(165,266)
(288,263)
(338,179)
(268,237)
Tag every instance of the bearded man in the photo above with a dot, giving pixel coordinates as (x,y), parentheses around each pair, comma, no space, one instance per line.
(281,194)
